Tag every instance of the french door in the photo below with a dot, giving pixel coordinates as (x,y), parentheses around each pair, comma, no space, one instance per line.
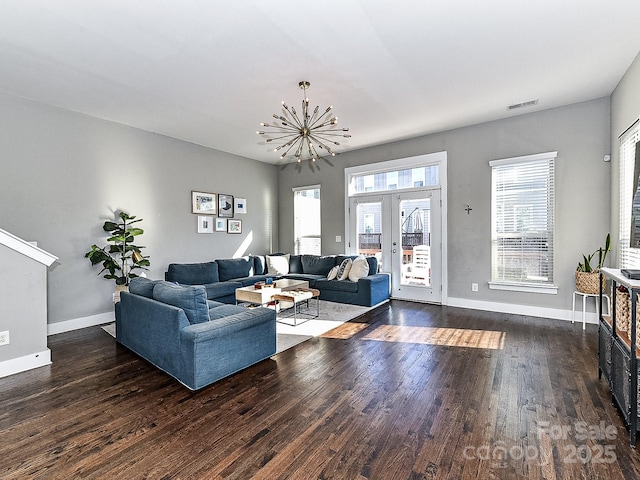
(403,230)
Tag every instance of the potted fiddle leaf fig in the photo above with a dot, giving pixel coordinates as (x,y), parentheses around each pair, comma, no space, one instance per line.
(120,258)
(587,272)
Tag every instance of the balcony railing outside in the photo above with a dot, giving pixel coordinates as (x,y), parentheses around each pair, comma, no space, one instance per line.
(373,241)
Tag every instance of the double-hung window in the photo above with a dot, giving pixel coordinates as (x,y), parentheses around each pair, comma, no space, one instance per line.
(627,257)
(306,213)
(522,223)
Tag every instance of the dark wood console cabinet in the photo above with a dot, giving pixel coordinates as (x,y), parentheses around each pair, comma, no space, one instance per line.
(615,358)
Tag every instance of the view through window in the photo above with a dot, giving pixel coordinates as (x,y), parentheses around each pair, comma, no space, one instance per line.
(307,224)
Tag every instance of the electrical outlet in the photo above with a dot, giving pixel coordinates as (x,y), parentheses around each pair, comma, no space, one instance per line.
(4,337)
(474,287)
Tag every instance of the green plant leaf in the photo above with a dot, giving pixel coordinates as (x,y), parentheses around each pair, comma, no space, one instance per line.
(110,226)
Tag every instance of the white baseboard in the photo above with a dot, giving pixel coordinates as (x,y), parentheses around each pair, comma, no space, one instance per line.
(544,312)
(27,362)
(82,322)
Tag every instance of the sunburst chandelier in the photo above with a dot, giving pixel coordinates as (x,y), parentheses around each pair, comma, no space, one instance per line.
(305,134)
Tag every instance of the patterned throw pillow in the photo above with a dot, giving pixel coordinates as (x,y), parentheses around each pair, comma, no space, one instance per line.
(333,273)
(344,269)
(278,264)
(359,269)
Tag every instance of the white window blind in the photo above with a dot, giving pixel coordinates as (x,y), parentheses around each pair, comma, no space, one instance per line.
(522,221)
(307,224)
(627,257)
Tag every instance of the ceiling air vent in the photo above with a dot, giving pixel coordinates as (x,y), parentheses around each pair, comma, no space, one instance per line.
(523,104)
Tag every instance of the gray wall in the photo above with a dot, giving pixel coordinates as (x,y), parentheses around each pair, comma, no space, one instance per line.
(64,174)
(580,134)
(23,304)
(625,109)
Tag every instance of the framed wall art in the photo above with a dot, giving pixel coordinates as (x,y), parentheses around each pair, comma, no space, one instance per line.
(203,203)
(205,224)
(225,205)
(234,226)
(240,205)
(221,224)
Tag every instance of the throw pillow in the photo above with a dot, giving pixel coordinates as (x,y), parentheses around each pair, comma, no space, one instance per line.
(333,273)
(344,269)
(359,269)
(278,264)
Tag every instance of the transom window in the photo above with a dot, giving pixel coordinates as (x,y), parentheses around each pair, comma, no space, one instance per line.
(395,180)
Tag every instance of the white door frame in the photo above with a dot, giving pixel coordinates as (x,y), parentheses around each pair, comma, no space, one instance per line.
(439,158)
(432,293)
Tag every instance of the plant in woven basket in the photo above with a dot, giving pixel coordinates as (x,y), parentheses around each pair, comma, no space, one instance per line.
(588,273)
(585,265)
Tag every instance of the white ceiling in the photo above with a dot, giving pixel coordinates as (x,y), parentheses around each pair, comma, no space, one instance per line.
(209,71)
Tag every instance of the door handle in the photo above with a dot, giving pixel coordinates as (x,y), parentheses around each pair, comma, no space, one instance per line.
(394,250)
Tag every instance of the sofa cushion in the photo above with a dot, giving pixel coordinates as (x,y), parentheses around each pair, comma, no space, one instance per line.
(359,269)
(142,286)
(230,268)
(315,265)
(335,285)
(259,264)
(213,304)
(221,289)
(344,269)
(191,299)
(278,264)
(312,279)
(295,264)
(225,311)
(193,273)
(373,265)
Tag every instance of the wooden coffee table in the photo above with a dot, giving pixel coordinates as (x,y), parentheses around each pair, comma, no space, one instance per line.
(264,295)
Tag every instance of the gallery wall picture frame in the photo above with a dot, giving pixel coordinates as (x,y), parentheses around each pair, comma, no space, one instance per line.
(221,224)
(240,205)
(234,226)
(225,205)
(205,224)
(203,203)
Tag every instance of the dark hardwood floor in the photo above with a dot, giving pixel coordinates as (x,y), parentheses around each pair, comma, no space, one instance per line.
(408,391)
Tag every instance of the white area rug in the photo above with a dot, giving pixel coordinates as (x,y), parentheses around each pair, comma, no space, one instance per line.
(331,316)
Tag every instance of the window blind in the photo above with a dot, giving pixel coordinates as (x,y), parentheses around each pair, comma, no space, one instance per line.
(307,223)
(627,257)
(522,218)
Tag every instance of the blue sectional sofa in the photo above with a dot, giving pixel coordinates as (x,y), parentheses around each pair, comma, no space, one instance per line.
(221,277)
(195,340)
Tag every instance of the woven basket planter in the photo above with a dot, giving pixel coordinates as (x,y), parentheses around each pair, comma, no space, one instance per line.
(587,282)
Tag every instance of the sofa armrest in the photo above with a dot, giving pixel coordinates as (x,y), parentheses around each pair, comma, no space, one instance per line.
(215,349)
(375,279)
(151,329)
(376,288)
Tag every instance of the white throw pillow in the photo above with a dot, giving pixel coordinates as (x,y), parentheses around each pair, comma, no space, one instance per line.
(278,264)
(359,269)
(333,273)
(344,269)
